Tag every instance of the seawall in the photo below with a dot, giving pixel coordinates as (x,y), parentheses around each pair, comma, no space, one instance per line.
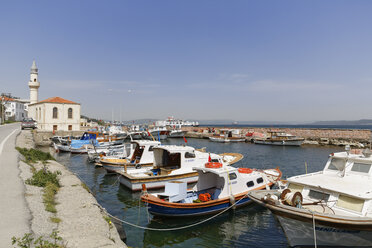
(82,223)
(314,136)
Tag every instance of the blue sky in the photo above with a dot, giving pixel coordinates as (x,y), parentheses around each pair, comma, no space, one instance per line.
(241,60)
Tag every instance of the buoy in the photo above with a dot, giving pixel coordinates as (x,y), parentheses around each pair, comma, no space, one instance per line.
(213,165)
(232,201)
(144,189)
(245,170)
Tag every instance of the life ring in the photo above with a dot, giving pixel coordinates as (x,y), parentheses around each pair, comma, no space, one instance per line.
(245,170)
(213,165)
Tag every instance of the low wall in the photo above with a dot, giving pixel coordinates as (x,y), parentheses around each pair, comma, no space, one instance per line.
(310,134)
(42,138)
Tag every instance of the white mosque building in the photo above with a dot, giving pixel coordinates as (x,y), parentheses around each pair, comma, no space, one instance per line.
(54,113)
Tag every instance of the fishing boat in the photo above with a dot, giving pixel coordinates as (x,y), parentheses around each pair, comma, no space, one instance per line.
(176,133)
(331,208)
(173,163)
(279,139)
(139,155)
(122,150)
(218,188)
(158,133)
(227,136)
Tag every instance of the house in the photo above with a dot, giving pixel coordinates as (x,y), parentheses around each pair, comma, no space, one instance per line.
(14,108)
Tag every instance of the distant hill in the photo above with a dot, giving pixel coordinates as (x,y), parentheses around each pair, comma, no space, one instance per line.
(343,122)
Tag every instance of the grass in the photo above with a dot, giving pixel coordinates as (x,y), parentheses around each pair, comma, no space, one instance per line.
(28,240)
(55,220)
(33,155)
(50,191)
(85,187)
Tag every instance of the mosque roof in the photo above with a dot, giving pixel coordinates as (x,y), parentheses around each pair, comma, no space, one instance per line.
(57,99)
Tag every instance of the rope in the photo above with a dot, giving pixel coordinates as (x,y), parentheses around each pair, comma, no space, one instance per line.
(162,229)
(175,228)
(312,213)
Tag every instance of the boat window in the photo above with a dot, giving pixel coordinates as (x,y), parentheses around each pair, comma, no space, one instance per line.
(151,148)
(359,167)
(295,187)
(350,203)
(250,184)
(336,164)
(189,155)
(318,195)
(232,176)
(260,180)
(215,160)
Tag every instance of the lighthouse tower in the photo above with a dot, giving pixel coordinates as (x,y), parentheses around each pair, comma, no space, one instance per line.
(33,84)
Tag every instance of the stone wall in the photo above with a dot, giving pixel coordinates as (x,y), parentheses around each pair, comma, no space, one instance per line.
(317,134)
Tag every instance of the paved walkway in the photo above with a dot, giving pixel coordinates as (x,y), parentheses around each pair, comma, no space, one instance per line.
(14,213)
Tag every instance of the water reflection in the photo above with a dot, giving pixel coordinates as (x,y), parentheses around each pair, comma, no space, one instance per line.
(250,226)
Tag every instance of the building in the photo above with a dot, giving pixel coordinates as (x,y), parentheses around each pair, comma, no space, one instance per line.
(52,114)
(14,108)
(56,114)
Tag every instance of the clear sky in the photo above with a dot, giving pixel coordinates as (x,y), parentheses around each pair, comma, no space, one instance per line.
(194,59)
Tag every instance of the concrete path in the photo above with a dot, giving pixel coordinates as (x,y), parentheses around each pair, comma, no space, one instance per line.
(14,213)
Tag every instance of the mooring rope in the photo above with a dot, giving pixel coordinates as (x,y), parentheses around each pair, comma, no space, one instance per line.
(160,229)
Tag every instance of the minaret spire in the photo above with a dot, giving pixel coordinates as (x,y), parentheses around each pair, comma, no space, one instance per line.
(34,84)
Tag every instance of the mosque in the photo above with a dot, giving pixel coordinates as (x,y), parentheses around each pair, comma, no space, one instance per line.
(54,113)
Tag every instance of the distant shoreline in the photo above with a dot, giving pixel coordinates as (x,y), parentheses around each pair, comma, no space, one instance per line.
(366,126)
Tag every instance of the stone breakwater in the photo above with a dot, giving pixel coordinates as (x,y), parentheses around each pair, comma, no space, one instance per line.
(314,136)
(82,222)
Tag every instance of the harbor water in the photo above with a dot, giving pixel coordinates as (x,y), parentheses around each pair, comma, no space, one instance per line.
(251,226)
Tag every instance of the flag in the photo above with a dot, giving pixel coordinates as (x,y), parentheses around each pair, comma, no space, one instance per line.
(159,135)
(209,158)
(185,139)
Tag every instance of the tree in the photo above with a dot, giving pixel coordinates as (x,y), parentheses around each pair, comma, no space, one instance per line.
(4,99)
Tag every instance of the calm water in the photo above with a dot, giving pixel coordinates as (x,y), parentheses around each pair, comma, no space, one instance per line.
(252,226)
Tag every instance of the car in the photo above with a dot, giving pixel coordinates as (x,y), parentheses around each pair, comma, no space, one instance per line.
(28,123)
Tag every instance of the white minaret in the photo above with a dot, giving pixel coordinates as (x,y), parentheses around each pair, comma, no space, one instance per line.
(33,84)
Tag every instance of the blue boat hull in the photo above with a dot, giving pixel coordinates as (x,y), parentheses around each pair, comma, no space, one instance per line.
(184,212)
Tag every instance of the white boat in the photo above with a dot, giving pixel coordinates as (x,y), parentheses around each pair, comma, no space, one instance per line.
(332,207)
(140,155)
(116,150)
(158,133)
(280,139)
(217,189)
(177,133)
(227,136)
(219,139)
(172,163)
(172,122)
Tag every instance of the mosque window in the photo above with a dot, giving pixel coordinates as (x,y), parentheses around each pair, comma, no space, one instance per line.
(34,79)
(55,113)
(70,113)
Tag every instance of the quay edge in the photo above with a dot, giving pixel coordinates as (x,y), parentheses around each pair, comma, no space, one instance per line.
(83,223)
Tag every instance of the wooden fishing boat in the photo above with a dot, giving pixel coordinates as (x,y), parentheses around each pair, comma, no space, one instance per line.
(173,163)
(331,208)
(218,188)
(227,136)
(278,138)
(141,155)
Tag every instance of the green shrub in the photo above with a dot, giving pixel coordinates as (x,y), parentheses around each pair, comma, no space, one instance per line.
(33,155)
(41,177)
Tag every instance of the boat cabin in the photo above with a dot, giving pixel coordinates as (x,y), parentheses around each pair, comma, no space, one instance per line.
(344,186)
(217,182)
(143,151)
(169,158)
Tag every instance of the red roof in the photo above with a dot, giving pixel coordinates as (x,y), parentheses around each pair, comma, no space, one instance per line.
(57,99)
(4,98)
